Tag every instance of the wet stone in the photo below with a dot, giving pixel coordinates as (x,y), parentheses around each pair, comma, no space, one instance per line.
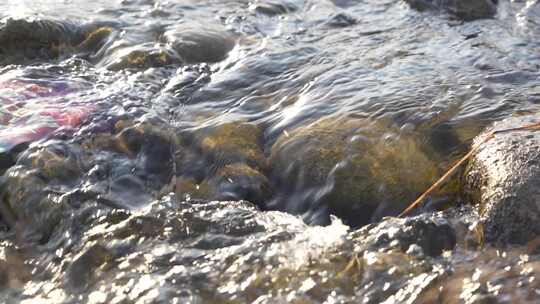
(84,267)
(123,170)
(186,82)
(431,234)
(141,57)
(234,142)
(230,251)
(241,182)
(152,147)
(341,20)
(85,215)
(8,158)
(56,161)
(188,188)
(197,44)
(510,271)
(13,271)
(24,40)
(225,162)
(462,9)
(359,169)
(95,39)
(273,7)
(502,180)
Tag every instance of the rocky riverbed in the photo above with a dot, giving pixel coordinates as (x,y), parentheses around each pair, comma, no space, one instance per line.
(260,151)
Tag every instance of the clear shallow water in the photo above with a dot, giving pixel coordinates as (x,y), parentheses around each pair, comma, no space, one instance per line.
(272,102)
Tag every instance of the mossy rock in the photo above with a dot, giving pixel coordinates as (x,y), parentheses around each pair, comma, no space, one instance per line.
(241,182)
(361,169)
(95,39)
(502,181)
(234,142)
(224,162)
(231,182)
(141,57)
(24,40)
(57,162)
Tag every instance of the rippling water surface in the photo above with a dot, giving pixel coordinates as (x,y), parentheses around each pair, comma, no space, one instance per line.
(148,148)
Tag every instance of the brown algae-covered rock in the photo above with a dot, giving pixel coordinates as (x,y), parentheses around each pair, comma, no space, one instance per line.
(32,39)
(232,165)
(236,181)
(502,179)
(365,168)
(141,57)
(24,40)
(241,182)
(234,142)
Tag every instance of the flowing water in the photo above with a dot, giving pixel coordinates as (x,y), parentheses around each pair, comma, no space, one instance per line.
(212,151)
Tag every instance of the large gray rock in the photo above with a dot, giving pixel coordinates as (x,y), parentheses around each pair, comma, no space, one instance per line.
(462,9)
(503,178)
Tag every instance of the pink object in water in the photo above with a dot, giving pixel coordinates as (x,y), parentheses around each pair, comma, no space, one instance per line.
(72,117)
(31,112)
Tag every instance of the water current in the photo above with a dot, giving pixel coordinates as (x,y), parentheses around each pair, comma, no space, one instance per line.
(234,151)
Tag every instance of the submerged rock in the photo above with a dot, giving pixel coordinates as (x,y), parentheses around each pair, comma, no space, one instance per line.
(180,45)
(341,20)
(32,39)
(189,188)
(273,7)
(24,40)
(503,178)
(241,182)
(224,162)
(141,57)
(359,169)
(234,142)
(124,169)
(196,44)
(462,9)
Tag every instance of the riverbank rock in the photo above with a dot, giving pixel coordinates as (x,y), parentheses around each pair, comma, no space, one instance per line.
(359,169)
(503,178)
(23,40)
(197,43)
(123,169)
(462,9)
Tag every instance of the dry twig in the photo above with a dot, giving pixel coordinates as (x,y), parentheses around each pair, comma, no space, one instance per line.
(452,170)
